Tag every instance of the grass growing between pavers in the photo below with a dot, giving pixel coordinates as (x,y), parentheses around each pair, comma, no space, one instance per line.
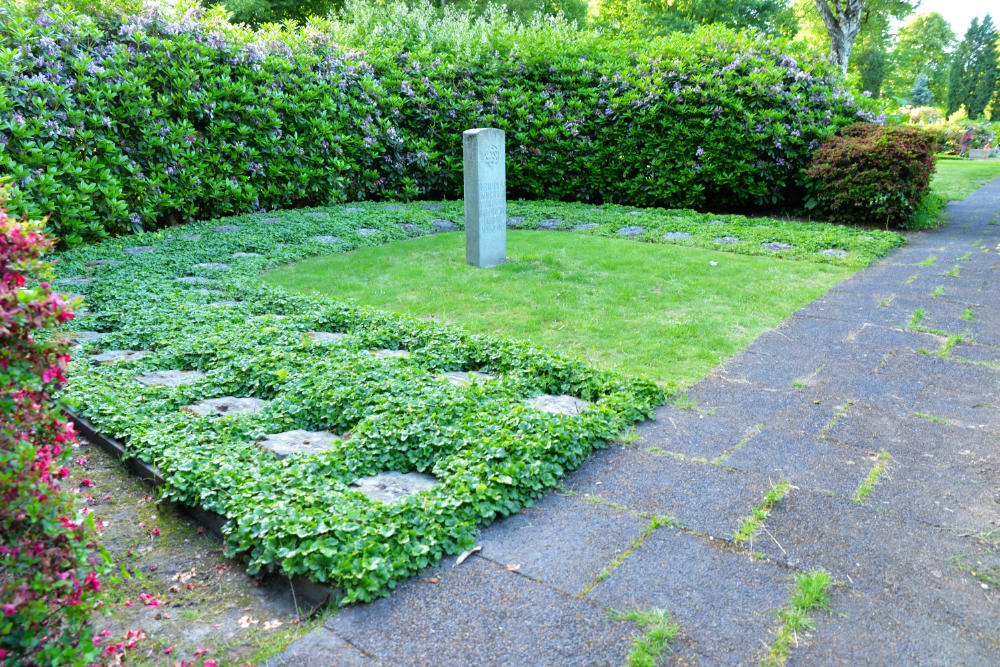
(957,179)
(811,591)
(662,312)
(867,485)
(648,649)
(760,513)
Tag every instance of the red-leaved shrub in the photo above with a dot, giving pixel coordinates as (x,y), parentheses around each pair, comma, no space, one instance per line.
(50,564)
(872,174)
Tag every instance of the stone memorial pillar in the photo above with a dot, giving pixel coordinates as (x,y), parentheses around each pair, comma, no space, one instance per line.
(485,197)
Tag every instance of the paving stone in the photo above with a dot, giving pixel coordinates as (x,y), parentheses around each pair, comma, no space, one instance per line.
(776,246)
(705,498)
(631,231)
(393,207)
(407,227)
(432,207)
(960,495)
(515,220)
(585,226)
(321,647)
(226,405)
(715,222)
(321,214)
(118,355)
(245,254)
(891,394)
(138,250)
(802,460)
(726,240)
(864,629)
(959,407)
(879,554)
(76,280)
(326,336)
(299,441)
(856,311)
(564,541)
(887,338)
(206,292)
(223,304)
(214,266)
(833,252)
(226,229)
(550,223)
(352,209)
(634,213)
(169,378)
(802,336)
(976,352)
(442,225)
(462,378)
(326,238)
(193,280)
(690,433)
(85,336)
(270,220)
(724,600)
(443,617)
(558,405)
(676,236)
(390,354)
(186,237)
(795,410)
(944,372)
(367,231)
(768,371)
(913,438)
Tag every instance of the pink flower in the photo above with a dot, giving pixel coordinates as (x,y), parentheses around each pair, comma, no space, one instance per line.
(156,531)
(210,663)
(9,609)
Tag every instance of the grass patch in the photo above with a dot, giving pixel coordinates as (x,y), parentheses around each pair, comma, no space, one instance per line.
(938,291)
(811,591)
(658,311)
(929,261)
(957,179)
(918,314)
(936,420)
(868,483)
(954,271)
(759,513)
(968,314)
(660,631)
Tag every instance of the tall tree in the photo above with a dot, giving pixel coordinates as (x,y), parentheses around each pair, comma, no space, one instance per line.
(920,94)
(844,19)
(975,69)
(663,16)
(922,46)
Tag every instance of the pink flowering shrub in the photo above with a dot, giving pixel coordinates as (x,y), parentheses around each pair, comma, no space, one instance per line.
(50,565)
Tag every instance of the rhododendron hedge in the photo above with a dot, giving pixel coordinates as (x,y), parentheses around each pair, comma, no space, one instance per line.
(139,122)
(50,565)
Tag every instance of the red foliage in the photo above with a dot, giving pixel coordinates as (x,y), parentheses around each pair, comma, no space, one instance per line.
(872,174)
(50,564)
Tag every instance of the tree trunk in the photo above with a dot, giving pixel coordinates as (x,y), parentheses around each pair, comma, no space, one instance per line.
(843,22)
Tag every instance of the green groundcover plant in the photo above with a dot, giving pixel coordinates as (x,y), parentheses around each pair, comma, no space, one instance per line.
(137,122)
(190,297)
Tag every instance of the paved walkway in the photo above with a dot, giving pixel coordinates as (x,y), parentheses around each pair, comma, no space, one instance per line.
(813,401)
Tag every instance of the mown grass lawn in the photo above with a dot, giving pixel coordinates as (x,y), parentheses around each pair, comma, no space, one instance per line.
(663,312)
(957,179)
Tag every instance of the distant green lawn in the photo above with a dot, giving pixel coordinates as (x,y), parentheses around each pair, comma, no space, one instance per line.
(957,179)
(658,311)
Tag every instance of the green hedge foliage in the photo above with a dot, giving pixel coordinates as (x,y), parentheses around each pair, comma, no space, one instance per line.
(873,174)
(128,124)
